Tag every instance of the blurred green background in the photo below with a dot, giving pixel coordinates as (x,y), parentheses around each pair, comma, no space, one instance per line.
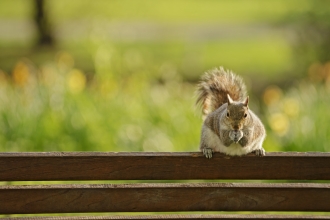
(121,75)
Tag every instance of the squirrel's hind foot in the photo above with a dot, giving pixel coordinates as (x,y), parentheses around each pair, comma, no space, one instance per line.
(260,152)
(208,152)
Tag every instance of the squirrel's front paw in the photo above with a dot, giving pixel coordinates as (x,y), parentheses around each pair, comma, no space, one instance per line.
(208,152)
(235,135)
(260,152)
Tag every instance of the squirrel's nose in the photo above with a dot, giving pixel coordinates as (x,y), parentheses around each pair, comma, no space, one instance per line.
(236,127)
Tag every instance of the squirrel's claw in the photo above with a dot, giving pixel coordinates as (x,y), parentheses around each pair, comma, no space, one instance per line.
(207,152)
(260,152)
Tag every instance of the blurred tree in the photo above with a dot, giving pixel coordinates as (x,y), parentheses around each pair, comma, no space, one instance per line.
(312,30)
(45,34)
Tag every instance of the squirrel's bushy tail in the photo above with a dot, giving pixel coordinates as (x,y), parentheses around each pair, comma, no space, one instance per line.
(214,87)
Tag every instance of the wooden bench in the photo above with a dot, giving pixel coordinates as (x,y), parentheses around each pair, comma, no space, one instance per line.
(222,187)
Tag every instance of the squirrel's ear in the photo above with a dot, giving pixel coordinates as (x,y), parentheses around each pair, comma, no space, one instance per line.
(246,102)
(230,101)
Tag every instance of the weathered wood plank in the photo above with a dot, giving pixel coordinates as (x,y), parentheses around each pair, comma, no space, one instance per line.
(161,166)
(164,198)
(181,216)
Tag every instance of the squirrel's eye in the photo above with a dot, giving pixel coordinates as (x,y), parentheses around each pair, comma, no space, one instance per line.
(245,115)
(227,114)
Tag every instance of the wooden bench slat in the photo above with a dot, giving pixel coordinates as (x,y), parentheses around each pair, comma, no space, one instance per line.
(161,166)
(164,197)
(181,216)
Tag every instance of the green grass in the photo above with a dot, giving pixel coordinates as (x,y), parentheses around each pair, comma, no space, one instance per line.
(267,54)
(298,118)
(46,109)
(186,11)
(16,9)
(237,11)
(266,57)
(134,95)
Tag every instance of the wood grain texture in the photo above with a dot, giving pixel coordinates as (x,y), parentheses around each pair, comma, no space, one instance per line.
(164,198)
(178,217)
(161,166)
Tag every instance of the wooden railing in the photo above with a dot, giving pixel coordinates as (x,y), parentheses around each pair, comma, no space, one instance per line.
(223,190)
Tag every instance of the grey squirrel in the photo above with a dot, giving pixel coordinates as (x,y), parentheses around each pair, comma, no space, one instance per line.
(229,125)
